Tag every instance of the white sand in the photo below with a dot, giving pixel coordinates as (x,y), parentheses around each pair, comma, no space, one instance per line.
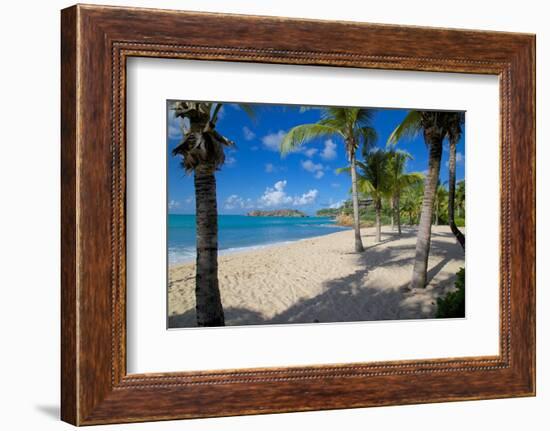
(322,280)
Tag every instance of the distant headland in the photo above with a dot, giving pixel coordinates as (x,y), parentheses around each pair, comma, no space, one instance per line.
(276,213)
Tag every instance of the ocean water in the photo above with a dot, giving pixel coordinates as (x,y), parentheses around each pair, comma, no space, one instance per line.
(237,233)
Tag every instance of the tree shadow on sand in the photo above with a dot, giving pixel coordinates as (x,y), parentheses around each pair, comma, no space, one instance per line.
(355,297)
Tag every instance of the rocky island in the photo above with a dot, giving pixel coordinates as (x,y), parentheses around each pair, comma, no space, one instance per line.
(276,213)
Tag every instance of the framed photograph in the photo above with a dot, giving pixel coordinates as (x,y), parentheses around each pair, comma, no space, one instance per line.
(268,215)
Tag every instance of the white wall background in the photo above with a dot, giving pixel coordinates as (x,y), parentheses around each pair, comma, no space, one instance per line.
(29,215)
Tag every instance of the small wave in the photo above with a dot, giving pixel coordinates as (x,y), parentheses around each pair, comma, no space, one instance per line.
(177,257)
(180,255)
(252,247)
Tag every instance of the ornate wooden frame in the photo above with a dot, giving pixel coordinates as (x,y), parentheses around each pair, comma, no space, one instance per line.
(95,42)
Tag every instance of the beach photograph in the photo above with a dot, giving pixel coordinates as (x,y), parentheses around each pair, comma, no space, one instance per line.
(296,214)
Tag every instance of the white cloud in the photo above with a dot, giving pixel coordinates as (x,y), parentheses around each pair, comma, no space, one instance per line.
(272,141)
(173,204)
(315,168)
(306,198)
(335,185)
(237,202)
(248,134)
(276,196)
(174,126)
(189,199)
(309,152)
(329,152)
(309,166)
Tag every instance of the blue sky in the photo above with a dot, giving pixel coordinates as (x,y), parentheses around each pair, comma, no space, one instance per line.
(256,176)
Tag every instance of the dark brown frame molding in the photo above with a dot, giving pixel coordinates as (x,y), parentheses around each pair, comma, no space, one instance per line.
(95,43)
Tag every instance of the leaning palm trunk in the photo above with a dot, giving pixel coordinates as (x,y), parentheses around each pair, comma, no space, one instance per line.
(378,207)
(355,198)
(434,140)
(452,180)
(207,293)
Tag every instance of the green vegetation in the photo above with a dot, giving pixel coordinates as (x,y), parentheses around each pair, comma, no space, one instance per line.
(399,181)
(382,178)
(436,127)
(276,213)
(353,127)
(453,304)
(382,192)
(408,204)
(328,212)
(374,181)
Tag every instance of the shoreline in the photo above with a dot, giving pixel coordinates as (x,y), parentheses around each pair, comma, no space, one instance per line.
(244,249)
(320,279)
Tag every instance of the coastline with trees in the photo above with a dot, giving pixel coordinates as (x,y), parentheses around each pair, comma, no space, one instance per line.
(398,255)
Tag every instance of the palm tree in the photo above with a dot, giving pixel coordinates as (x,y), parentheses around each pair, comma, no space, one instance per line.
(460,197)
(433,125)
(399,180)
(353,126)
(412,202)
(374,180)
(440,203)
(456,122)
(202,152)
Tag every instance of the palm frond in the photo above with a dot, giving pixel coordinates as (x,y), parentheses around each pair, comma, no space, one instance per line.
(216,110)
(410,179)
(335,113)
(375,175)
(368,137)
(401,155)
(347,169)
(303,133)
(332,122)
(364,117)
(250,109)
(407,129)
(342,170)
(362,165)
(365,186)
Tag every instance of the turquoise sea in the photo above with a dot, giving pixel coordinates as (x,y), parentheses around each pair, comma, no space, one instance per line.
(237,232)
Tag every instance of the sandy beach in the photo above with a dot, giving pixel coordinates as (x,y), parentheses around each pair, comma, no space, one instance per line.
(322,280)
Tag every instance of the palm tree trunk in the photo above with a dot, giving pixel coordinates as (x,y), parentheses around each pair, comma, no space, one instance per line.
(435,145)
(452,184)
(378,206)
(393,213)
(355,198)
(398,213)
(209,308)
